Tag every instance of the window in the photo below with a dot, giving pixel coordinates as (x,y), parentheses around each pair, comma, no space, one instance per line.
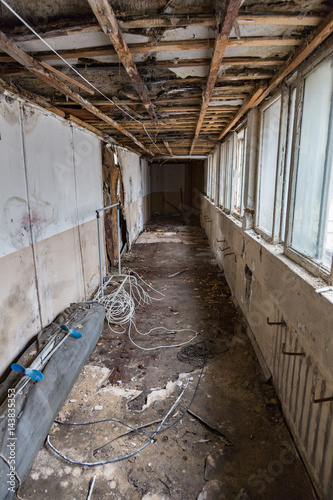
(237,173)
(209,176)
(222,174)
(311,210)
(229,145)
(289,145)
(268,162)
(214,169)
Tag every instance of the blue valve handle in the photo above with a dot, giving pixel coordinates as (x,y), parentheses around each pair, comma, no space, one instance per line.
(33,374)
(74,333)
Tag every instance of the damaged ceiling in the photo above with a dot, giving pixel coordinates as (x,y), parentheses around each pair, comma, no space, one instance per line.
(163,78)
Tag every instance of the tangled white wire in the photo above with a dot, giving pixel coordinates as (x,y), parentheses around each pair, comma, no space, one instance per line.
(120,304)
(120,307)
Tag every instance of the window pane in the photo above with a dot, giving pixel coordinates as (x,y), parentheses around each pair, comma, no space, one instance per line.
(268,164)
(209,176)
(328,228)
(206,176)
(228,173)
(312,222)
(214,170)
(288,160)
(237,177)
(222,174)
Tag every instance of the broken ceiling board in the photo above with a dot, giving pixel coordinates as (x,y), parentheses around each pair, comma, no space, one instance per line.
(80,40)
(69,26)
(321,33)
(171,46)
(221,43)
(172,50)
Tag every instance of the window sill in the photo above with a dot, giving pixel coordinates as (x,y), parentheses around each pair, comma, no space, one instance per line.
(316,282)
(277,250)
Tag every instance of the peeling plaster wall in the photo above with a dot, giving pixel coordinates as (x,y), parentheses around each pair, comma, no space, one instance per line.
(266,284)
(51,184)
(136,182)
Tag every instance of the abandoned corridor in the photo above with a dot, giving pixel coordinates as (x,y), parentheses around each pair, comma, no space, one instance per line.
(232,443)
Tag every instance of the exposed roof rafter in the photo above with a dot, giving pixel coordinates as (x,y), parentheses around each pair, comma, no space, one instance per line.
(109,24)
(168,148)
(148,47)
(43,103)
(321,33)
(164,21)
(221,43)
(36,68)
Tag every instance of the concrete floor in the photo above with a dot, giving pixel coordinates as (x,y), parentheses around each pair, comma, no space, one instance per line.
(232,444)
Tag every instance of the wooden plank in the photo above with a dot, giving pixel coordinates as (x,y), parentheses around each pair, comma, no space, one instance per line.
(107,104)
(43,103)
(36,68)
(144,48)
(227,61)
(65,27)
(168,148)
(279,20)
(109,24)
(184,63)
(321,33)
(68,78)
(241,112)
(171,21)
(221,43)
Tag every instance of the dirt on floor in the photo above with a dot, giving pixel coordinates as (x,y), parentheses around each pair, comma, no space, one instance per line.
(226,438)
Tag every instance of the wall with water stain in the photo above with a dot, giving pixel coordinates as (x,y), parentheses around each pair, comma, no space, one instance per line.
(51,185)
(298,353)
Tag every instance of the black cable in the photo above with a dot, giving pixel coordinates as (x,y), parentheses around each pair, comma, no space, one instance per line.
(134,428)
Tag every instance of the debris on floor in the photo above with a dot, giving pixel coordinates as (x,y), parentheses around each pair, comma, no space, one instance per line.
(225,439)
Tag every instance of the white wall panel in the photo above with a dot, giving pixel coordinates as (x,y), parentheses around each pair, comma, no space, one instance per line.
(51,182)
(50,171)
(88,174)
(14,214)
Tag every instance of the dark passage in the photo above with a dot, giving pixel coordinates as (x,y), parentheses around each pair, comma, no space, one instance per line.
(231,444)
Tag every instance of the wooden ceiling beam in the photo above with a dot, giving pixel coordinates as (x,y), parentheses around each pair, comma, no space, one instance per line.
(221,43)
(321,33)
(183,63)
(36,68)
(66,27)
(109,24)
(68,78)
(43,103)
(241,112)
(144,48)
(168,148)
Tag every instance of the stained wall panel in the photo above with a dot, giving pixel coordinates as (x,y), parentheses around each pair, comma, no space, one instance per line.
(14,226)
(50,173)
